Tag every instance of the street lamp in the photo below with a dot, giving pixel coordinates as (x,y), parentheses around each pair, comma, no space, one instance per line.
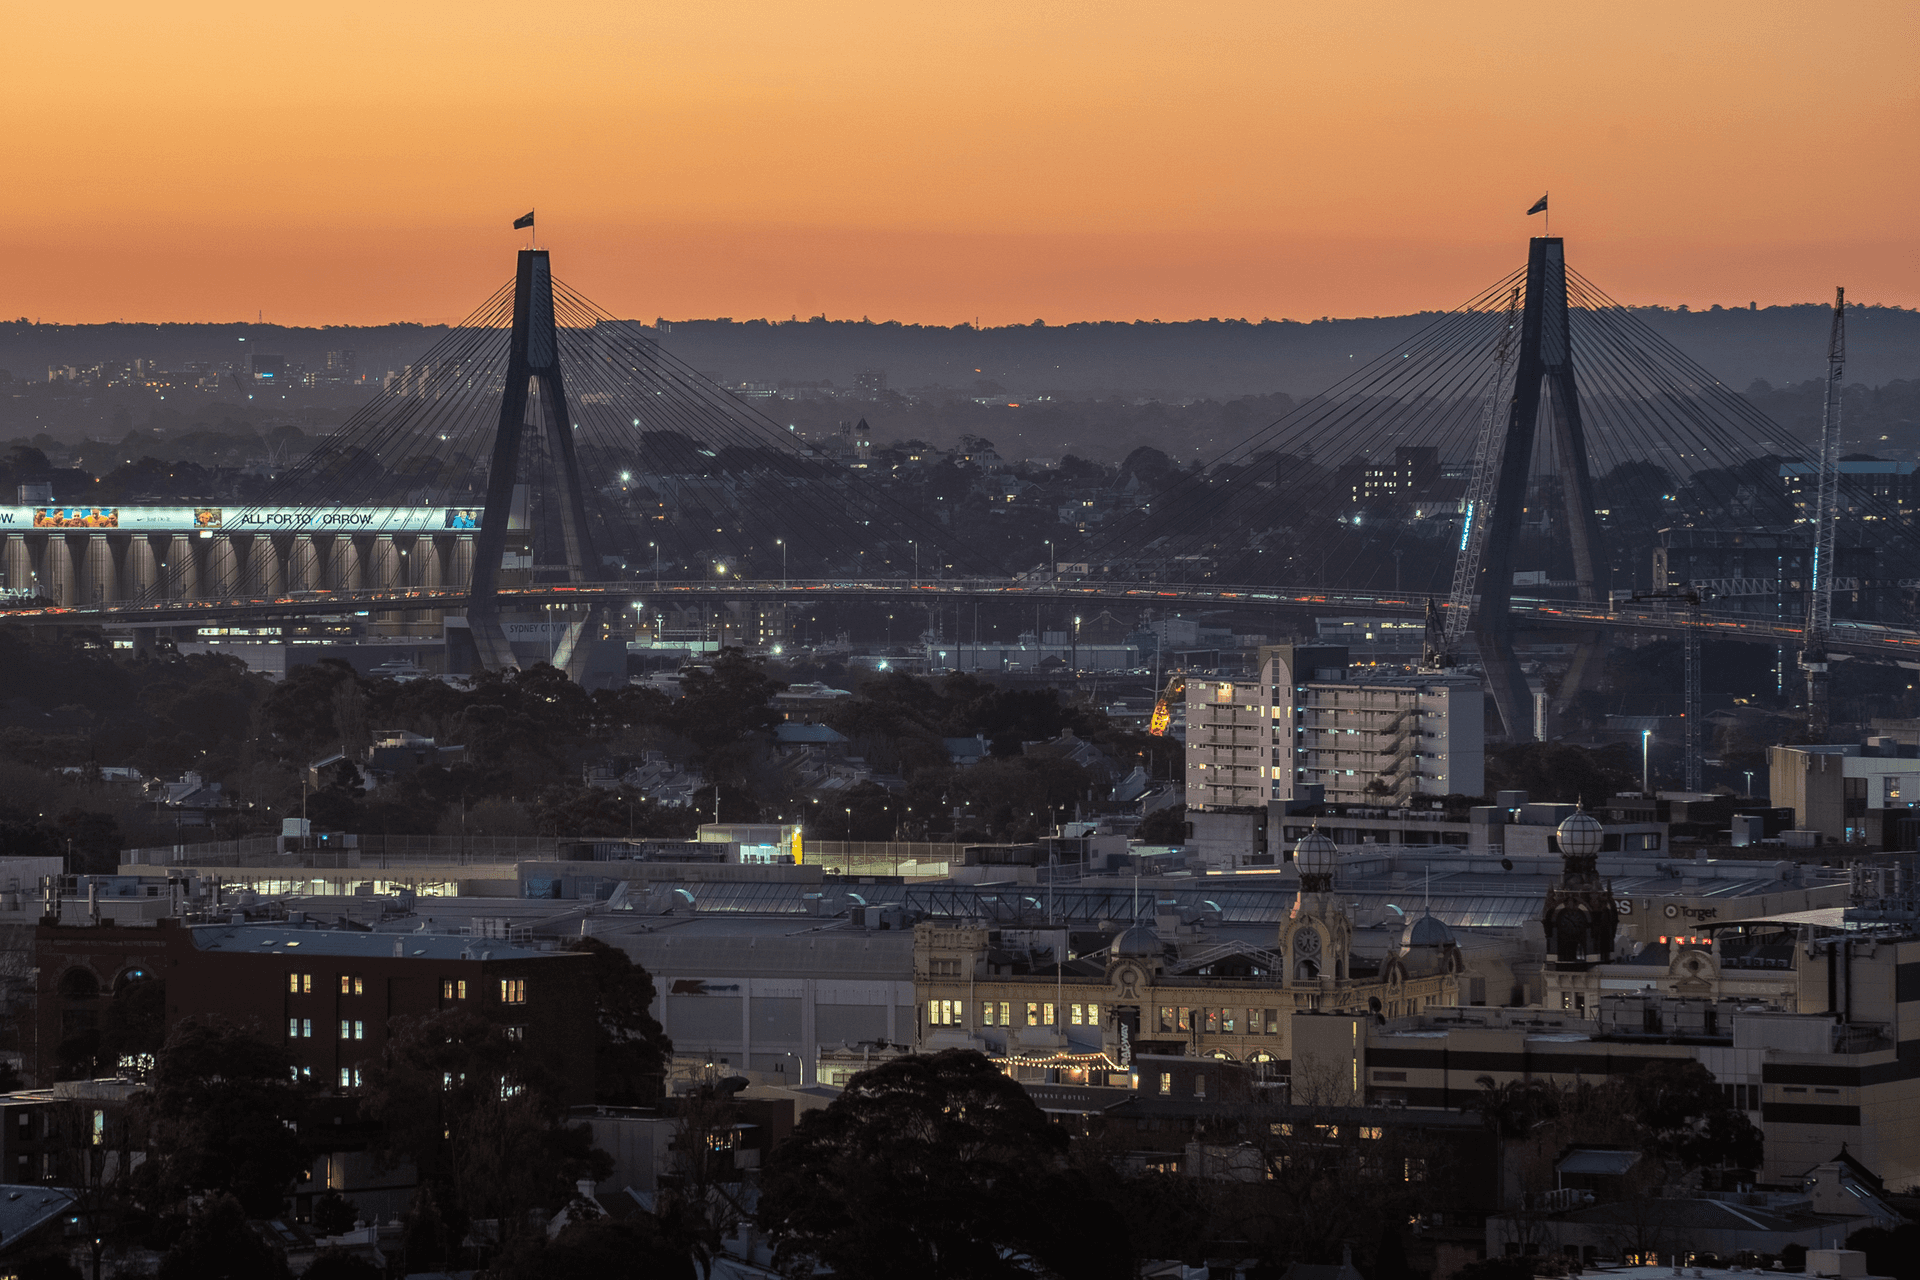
(782,544)
(1646,740)
(1749,774)
(656,562)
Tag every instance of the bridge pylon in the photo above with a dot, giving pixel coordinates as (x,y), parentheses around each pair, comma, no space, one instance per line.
(1543,372)
(534,402)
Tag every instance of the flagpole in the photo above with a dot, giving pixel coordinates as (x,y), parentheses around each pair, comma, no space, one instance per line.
(1549,212)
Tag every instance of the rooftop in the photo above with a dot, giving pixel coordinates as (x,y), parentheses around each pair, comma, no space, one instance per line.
(312,940)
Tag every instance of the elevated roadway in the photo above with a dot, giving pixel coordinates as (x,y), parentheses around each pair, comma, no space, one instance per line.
(1863,639)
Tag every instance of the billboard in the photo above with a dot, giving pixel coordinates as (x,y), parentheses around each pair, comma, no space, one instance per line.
(76,517)
(188,519)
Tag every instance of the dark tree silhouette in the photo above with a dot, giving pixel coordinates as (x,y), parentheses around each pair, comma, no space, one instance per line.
(935,1166)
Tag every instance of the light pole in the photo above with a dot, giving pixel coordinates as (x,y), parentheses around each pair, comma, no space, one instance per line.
(656,562)
(915,544)
(1646,740)
(782,544)
(1053,562)
(1749,774)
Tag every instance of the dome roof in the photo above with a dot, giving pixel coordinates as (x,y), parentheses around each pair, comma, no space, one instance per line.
(1429,931)
(1137,940)
(1316,852)
(1580,834)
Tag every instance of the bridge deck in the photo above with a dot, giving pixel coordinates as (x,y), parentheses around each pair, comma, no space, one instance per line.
(1861,638)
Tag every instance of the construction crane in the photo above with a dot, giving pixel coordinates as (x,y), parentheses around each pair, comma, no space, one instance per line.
(1446,634)
(1813,648)
(1692,717)
(1163,709)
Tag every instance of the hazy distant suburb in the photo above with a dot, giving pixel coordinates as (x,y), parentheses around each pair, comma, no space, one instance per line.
(361,162)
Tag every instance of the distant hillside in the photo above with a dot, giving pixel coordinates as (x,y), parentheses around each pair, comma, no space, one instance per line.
(1219,358)
(1173,361)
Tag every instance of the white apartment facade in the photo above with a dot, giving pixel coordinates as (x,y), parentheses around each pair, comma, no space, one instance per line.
(1255,744)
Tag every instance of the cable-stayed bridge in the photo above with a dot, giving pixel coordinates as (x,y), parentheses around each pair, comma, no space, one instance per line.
(1513,465)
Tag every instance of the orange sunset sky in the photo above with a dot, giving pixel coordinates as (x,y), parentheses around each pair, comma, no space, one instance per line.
(360,162)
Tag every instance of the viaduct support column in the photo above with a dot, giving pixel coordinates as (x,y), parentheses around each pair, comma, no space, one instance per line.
(220,575)
(180,570)
(58,574)
(142,577)
(303,564)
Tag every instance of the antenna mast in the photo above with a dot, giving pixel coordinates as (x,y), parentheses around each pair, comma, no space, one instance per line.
(1813,649)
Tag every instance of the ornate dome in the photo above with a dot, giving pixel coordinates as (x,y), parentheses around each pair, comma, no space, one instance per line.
(1137,940)
(1316,853)
(1580,835)
(1429,931)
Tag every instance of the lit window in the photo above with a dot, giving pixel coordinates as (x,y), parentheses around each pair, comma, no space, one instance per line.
(1033,1014)
(1166,1084)
(1075,1012)
(306,1028)
(346,985)
(346,1077)
(99,1127)
(516,1033)
(359,987)
(1093,1015)
(306,984)
(986,1013)
(1047,1016)
(513,991)
(346,1029)
(293,983)
(359,1029)
(1006,1013)
(356,1077)
(293,1028)
(306,1073)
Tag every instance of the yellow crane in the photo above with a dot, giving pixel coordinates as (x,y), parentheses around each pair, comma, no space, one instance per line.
(1163,709)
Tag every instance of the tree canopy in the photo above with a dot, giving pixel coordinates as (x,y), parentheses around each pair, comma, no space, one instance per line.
(940,1166)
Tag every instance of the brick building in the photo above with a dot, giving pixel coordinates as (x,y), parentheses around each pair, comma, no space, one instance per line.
(327,994)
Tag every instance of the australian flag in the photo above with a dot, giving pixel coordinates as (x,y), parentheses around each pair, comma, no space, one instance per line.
(526,220)
(1539,206)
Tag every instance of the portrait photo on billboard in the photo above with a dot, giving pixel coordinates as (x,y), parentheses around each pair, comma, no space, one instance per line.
(76,518)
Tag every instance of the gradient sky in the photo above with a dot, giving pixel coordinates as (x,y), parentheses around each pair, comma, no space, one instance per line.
(359,162)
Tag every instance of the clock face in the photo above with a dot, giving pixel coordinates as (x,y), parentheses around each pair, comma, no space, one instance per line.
(1307,942)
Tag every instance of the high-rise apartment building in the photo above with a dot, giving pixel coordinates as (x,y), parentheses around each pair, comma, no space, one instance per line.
(1253,745)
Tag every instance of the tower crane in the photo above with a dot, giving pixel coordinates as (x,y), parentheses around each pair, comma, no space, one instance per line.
(1447,633)
(1813,648)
